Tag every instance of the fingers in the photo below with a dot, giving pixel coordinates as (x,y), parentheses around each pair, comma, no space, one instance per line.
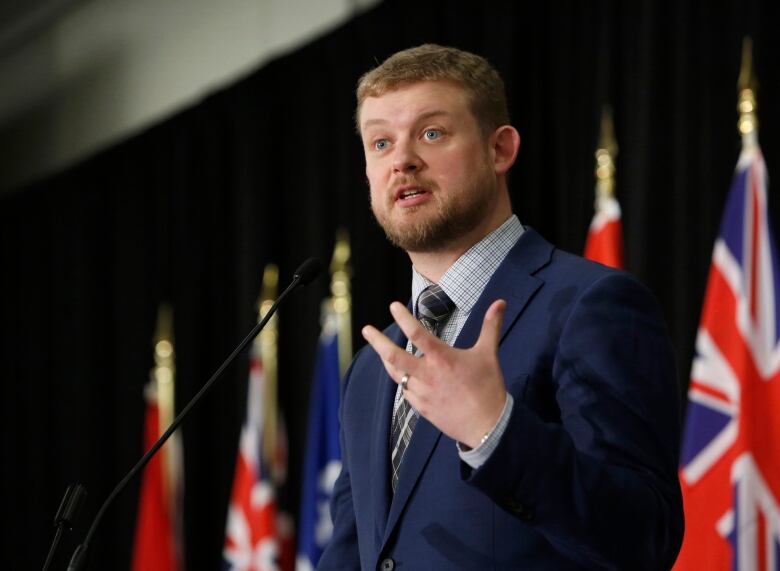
(413,329)
(396,359)
(490,334)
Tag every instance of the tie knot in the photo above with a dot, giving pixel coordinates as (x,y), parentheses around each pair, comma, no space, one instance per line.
(433,306)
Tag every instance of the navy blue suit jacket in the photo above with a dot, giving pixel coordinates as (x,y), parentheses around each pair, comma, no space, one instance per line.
(585,475)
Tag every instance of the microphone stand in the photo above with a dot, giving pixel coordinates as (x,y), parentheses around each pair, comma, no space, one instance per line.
(66,515)
(305,273)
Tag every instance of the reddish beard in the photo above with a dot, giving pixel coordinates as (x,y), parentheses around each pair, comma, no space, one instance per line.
(450,216)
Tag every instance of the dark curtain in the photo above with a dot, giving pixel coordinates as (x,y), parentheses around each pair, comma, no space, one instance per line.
(266,170)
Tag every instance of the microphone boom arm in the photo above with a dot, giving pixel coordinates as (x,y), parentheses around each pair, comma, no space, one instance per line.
(303,275)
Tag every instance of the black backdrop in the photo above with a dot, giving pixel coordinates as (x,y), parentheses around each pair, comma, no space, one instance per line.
(266,170)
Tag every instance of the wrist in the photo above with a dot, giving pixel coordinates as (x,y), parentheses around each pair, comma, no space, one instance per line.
(482,436)
(462,447)
(484,450)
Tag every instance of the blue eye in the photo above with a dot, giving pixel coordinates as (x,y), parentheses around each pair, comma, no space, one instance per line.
(381,144)
(432,134)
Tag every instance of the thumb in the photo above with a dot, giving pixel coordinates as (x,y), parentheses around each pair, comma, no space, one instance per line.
(491,325)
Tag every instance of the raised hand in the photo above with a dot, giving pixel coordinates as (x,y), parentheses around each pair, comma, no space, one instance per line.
(460,391)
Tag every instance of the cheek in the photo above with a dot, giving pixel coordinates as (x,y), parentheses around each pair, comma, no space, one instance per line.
(447,174)
(449,166)
(469,166)
(370,177)
(374,170)
(374,194)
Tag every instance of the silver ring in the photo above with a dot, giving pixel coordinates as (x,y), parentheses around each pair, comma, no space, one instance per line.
(404,381)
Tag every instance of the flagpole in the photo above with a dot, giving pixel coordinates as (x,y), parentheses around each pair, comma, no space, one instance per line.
(256,530)
(157,541)
(747,104)
(604,242)
(341,297)
(163,376)
(322,461)
(266,346)
(171,455)
(605,158)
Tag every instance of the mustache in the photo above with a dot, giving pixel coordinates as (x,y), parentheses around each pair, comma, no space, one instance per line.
(422,182)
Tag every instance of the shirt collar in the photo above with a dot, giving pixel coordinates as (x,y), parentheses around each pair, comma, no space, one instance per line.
(465,280)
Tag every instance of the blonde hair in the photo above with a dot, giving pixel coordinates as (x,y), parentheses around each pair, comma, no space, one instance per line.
(431,62)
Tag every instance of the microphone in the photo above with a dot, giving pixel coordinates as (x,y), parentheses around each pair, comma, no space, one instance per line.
(306,272)
(303,276)
(66,515)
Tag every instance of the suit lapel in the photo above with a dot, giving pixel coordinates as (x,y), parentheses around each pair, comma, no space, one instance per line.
(380,449)
(513,282)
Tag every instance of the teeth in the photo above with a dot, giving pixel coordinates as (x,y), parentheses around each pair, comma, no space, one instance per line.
(409,193)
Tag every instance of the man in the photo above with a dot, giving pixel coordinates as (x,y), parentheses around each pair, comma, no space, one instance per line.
(547,436)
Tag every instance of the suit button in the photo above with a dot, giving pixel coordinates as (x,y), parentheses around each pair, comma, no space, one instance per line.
(519,509)
(526,514)
(387,565)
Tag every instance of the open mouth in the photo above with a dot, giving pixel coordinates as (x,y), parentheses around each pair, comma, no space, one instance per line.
(411,193)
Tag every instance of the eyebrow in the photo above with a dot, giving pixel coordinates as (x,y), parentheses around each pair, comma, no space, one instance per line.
(425,116)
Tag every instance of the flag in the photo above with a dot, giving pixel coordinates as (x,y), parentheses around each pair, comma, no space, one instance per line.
(604,243)
(322,463)
(251,543)
(157,545)
(730,463)
(259,535)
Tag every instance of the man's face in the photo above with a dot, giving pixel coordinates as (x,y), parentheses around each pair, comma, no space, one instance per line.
(427,162)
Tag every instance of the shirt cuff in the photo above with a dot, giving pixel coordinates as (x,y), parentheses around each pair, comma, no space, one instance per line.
(475,457)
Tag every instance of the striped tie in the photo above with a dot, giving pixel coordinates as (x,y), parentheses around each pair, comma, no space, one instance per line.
(433,307)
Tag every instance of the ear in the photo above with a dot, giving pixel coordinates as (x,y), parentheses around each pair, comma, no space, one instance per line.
(505,143)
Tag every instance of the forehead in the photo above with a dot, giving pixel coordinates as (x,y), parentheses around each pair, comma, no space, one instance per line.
(407,103)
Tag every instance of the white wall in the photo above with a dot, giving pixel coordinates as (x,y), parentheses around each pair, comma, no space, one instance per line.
(108,68)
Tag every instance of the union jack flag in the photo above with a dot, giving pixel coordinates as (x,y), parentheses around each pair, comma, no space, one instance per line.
(730,466)
(257,537)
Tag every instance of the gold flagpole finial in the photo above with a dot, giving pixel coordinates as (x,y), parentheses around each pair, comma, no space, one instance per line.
(162,387)
(341,296)
(266,348)
(164,368)
(605,158)
(269,289)
(747,87)
(745,80)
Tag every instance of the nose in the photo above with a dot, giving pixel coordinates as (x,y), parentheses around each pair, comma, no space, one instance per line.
(406,159)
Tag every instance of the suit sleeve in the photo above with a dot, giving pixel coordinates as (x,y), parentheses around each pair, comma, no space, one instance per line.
(342,551)
(599,479)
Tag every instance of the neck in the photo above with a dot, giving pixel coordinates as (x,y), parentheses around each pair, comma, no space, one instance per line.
(433,264)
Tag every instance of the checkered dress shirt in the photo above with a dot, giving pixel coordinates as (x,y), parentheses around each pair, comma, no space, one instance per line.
(464,282)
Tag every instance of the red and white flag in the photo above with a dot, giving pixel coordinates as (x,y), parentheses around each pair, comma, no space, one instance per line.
(157,546)
(730,464)
(258,537)
(604,243)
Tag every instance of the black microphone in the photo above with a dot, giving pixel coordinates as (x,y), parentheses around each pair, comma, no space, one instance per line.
(66,516)
(303,276)
(307,272)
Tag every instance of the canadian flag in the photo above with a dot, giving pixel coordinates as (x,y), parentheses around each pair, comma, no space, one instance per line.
(604,243)
(157,546)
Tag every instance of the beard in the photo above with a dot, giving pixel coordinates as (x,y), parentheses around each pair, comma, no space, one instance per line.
(452,215)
